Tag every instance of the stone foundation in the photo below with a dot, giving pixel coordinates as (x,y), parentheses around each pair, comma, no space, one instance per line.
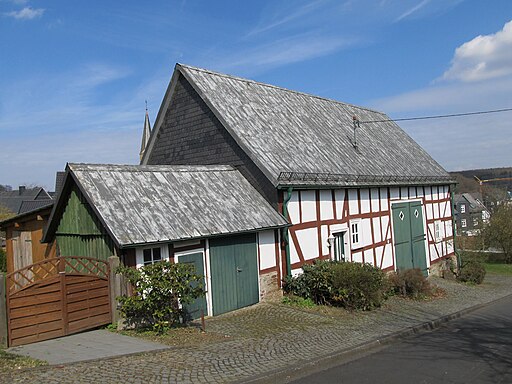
(270,287)
(442,268)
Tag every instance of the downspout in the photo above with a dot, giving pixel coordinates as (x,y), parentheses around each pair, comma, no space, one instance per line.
(457,254)
(285,233)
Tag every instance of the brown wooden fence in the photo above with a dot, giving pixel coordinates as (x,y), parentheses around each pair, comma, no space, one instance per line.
(57,297)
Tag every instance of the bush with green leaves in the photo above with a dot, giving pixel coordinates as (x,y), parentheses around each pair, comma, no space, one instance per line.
(315,282)
(350,285)
(159,289)
(471,271)
(358,286)
(410,283)
(3,261)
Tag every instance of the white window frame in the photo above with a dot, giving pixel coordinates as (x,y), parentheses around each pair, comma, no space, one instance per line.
(139,253)
(463,223)
(463,208)
(338,239)
(475,222)
(437,231)
(355,233)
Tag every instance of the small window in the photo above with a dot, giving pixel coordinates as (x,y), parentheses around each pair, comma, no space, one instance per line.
(475,222)
(437,231)
(463,223)
(354,230)
(152,255)
(339,246)
(463,208)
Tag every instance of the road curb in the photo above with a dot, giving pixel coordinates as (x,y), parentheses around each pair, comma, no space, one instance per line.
(306,367)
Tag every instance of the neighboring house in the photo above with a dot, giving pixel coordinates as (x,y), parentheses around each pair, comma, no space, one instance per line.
(24,233)
(470,214)
(351,182)
(209,216)
(15,201)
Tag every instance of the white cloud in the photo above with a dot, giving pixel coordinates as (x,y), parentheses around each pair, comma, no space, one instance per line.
(279,53)
(412,10)
(484,57)
(27,13)
(286,17)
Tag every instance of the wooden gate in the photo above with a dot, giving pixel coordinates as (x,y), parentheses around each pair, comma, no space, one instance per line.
(57,297)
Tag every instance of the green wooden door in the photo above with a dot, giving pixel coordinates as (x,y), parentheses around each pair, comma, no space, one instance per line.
(195,308)
(234,272)
(409,236)
(418,237)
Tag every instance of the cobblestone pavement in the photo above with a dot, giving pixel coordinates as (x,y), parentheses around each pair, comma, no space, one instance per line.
(268,337)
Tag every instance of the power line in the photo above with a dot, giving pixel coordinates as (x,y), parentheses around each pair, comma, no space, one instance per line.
(439,116)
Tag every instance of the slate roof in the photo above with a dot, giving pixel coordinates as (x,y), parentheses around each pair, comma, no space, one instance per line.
(13,200)
(34,205)
(150,204)
(474,204)
(300,139)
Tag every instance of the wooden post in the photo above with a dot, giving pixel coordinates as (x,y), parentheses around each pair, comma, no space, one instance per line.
(115,287)
(3,313)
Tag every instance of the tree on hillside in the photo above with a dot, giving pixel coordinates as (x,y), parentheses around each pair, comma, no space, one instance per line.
(498,232)
(5,213)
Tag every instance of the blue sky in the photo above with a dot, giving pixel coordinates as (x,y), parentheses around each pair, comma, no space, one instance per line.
(74,75)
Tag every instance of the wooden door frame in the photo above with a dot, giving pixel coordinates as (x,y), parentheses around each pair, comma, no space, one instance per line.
(207,280)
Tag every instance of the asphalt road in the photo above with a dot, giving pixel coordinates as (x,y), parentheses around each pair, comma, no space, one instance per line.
(476,348)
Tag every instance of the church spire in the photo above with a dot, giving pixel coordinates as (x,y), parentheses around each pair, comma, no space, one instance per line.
(146,133)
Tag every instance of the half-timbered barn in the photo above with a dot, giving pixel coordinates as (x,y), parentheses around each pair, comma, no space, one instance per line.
(351,182)
(209,216)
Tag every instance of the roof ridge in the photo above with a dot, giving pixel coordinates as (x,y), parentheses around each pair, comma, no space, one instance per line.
(238,78)
(149,168)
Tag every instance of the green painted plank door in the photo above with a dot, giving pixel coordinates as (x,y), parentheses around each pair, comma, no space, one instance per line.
(234,272)
(402,236)
(409,236)
(194,309)
(418,237)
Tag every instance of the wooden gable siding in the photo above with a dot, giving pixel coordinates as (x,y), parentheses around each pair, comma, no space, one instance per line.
(191,135)
(80,232)
(316,214)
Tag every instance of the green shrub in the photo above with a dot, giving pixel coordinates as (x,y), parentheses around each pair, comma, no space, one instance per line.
(314,283)
(350,285)
(472,271)
(3,261)
(158,290)
(358,286)
(410,283)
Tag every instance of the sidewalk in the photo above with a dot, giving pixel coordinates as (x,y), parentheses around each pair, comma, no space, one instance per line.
(264,342)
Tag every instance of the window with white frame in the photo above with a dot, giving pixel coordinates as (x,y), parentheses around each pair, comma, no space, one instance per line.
(463,223)
(339,246)
(151,255)
(437,231)
(475,221)
(355,233)
(463,208)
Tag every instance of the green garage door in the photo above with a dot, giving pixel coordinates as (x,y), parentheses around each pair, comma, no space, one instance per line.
(234,272)
(409,236)
(198,306)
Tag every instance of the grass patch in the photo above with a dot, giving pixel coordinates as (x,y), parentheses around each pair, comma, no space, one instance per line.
(498,269)
(9,362)
(297,301)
